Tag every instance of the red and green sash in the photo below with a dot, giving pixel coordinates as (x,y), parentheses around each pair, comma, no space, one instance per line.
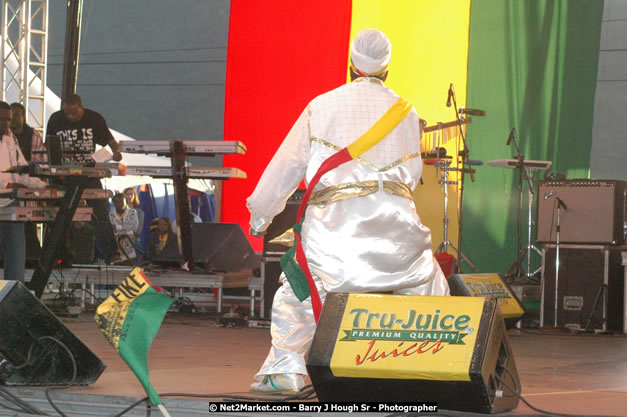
(296,274)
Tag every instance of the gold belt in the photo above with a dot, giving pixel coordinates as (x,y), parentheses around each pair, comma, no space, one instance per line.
(339,192)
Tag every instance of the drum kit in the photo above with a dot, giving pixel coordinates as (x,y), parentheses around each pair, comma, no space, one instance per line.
(442,132)
(524,266)
(443,166)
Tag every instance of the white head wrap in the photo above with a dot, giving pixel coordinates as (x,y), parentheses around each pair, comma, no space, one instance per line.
(371,51)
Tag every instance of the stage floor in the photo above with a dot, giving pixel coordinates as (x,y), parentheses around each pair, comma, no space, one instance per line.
(560,372)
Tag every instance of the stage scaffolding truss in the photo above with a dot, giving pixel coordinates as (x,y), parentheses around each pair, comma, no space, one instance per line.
(24,54)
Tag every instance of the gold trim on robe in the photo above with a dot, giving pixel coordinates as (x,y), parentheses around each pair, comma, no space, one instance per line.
(339,192)
(363,161)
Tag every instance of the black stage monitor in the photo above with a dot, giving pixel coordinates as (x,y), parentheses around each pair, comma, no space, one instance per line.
(167,263)
(36,348)
(222,247)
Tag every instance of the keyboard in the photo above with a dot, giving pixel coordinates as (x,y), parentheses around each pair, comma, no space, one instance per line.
(192,172)
(52,194)
(42,170)
(191,147)
(40,214)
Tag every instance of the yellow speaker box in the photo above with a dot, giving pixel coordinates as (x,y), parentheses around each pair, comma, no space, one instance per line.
(392,348)
(489,285)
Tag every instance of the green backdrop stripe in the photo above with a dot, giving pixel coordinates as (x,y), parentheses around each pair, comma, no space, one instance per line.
(532,65)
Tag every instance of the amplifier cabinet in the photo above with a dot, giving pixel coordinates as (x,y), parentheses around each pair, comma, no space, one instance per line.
(590,287)
(281,223)
(594,214)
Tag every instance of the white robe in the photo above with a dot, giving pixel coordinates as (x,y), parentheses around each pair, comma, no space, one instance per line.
(362,244)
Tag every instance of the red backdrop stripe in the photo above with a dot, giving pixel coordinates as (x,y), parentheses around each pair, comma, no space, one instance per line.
(281,54)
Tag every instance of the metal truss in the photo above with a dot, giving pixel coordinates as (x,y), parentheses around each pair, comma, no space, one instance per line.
(24,55)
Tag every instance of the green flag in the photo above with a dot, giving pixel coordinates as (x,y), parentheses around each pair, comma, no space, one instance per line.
(130,319)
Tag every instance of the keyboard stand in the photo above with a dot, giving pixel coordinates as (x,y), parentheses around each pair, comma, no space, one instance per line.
(55,240)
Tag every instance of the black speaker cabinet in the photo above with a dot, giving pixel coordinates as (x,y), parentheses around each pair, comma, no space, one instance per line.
(32,340)
(282,222)
(594,214)
(590,287)
(391,348)
(222,247)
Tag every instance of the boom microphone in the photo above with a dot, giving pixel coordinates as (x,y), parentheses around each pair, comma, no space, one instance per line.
(509,138)
(472,112)
(450,95)
(561,203)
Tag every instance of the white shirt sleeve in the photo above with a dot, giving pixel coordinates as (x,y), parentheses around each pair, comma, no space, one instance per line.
(31,182)
(282,175)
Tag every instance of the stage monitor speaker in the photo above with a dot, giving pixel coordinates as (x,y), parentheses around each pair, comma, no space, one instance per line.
(590,288)
(222,247)
(391,348)
(595,211)
(489,285)
(35,346)
(282,222)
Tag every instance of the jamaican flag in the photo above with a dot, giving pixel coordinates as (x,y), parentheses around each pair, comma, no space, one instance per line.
(130,319)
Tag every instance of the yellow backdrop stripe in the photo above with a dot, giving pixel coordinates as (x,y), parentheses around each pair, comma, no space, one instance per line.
(429,52)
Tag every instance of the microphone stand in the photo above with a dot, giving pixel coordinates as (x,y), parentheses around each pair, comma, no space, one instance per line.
(558,204)
(521,175)
(557,257)
(465,154)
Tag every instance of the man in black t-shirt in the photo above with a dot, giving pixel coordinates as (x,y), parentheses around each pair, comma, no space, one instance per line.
(80,129)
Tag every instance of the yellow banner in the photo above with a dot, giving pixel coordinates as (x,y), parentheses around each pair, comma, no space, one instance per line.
(407,337)
(110,315)
(429,52)
(491,285)
(3,284)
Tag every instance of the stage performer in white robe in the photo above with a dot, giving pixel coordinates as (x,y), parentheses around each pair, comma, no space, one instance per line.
(361,232)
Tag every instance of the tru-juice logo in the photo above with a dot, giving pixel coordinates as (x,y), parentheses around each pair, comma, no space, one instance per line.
(417,333)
